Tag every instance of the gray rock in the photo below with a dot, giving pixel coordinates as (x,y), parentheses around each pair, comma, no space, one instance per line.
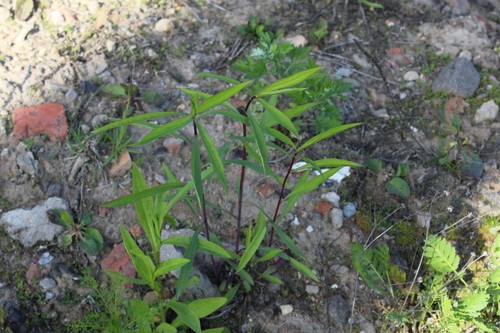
(349,209)
(71,95)
(338,309)
(487,111)
(337,217)
(459,7)
(331,197)
(26,161)
(459,77)
(45,259)
(54,190)
(30,226)
(411,76)
(47,283)
(312,289)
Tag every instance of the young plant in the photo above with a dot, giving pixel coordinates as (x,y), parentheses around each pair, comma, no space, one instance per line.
(153,205)
(89,239)
(397,185)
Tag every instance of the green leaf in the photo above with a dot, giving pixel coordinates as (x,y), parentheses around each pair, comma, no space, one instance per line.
(116,90)
(137,196)
(281,91)
(89,246)
(213,155)
(182,193)
(164,130)
(61,217)
(326,134)
(282,119)
(372,4)
(93,235)
(66,240)
(220,97)
(206,306)
(165,328)
(282,137)
(328,163)
(170,265)
(203,245)
(120,277)
(219,77)
(133,120)
(186,315)
(153,98)
(441,255)
(258,237)
(270,254)
(399,187)
(290,244)
(216,330)
(303,269)
(142,263)
(289,81)
(474,303)
(371,264)
(403,170)
(374,164)
(187,270)
(314,183)
(261,142)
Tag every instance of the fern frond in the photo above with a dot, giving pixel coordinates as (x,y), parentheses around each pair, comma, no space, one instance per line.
(441,255)
(371,264)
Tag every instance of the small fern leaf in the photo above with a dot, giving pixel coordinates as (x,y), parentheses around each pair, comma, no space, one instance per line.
(371,264)
(441,255)
(473,304)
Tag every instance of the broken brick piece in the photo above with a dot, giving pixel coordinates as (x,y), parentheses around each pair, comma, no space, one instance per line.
(119,261)
(324,207)
(48,119)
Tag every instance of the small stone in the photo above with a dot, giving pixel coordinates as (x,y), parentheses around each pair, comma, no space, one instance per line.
(349,209)
(361,61)
(338,309)
(48,119)
(337,217)
(151,54)
(45,259)
(266,190)
(459,77)
(295,221)
(47,283)
(324,207)
(312,289)
(56,18)
(332,197)
(309,229)
(164,25)
(297,40)
(286,309)
(99,120)
(49,295)
(411,76)
(122,164)
(54,190)
(110,45)
(3,133)
(71,95)
(466,54)
(173,145)
(487,111)
(27,163)
(381,113)
(343,72)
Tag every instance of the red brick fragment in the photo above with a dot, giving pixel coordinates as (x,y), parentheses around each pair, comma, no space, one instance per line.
(266,190)
(119,261)
(48,119)
(324,207)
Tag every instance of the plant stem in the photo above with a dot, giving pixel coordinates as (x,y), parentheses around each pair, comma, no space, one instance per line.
(242,178)
(289,171)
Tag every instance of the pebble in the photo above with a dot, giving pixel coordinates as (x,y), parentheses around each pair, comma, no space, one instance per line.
(297,40)
(47,283)
(295,221)
(411,76)
(487,111)
(361,61)
(312,289)
(343,72)
(337,217)
(338,309)
(164,25)
(71,95)
(309,229)
(349,209)
(110,45)
(122,164)
(45,259)
(331,197)
(459,77)
(286,309)
(27,163)
(381,113)
(99,120)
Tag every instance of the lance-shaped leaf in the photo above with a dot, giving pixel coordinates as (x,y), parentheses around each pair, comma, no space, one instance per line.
(281,91)
(314,183)
(134,197)
(303,269)
(327,163)
(219,77)
(170,265)
(260,141)
(186,315)
(326,134)
(282,137)
(220,97)
(213,154)
(164,130)
(253,246)
(280,117)
(203,246)
(133,120)
(196,171)
(187,270)
(290,81)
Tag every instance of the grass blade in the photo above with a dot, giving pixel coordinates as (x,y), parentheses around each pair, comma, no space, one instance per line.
(136,196)
(221,97)
(164,130)
(196,171)
(282,119)
(213,155)
(170,265)
(303,269)
(325,135)
(313,184)
(290,81)
(203,246)
(260,141)
(219,77)
(134,119)
(186,315)
(259,234)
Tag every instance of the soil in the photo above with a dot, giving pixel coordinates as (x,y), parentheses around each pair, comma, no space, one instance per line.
(62,51)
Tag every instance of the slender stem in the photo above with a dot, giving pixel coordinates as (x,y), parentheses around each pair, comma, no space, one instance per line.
(242,178)
(289,171)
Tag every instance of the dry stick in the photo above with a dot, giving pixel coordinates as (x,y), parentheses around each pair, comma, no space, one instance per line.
(397,105)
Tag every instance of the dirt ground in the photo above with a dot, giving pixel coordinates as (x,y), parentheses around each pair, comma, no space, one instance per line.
(61,51)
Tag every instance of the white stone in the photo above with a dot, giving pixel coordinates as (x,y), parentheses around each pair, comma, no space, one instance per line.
(297,40)
(296,221)
(487,111)
(286,309)
(411,76)
(312,289)
(110,45)
(30,226)
(309,229)
(331,197)
(337,217)
(164,25)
